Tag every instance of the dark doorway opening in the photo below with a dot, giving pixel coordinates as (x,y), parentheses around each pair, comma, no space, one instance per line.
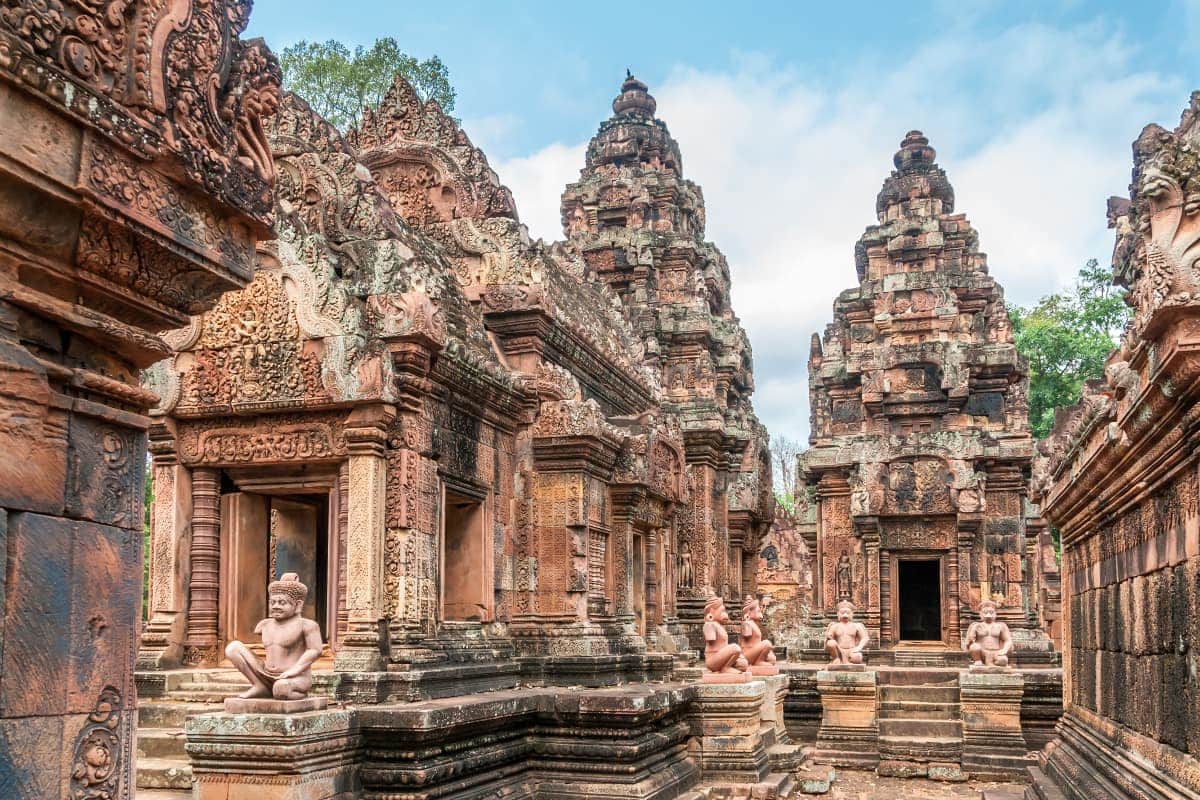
(920,601)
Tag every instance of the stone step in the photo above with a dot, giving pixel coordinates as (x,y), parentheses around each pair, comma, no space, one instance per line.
(920,694)
(922,748)
(163,773)
(161,743)
(921,728)
(164,794)
(909,709)
(211,696)
(165,714)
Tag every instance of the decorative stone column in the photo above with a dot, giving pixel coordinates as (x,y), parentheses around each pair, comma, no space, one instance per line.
(170,544)
(849,732)
(993,745)
(366,440)
(205,560)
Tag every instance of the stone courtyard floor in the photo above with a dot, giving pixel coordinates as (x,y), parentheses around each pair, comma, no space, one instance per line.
(861,785)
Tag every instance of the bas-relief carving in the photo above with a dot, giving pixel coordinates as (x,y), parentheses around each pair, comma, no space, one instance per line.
(156,77)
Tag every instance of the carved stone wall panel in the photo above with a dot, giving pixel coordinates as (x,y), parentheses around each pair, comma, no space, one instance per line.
(267,440)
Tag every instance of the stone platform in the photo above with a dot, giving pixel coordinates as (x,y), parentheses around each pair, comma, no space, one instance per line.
(909,722)
(657,741)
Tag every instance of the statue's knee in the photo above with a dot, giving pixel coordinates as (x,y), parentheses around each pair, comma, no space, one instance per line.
(234,648)
(282,690)
(856,658)
(1001,661)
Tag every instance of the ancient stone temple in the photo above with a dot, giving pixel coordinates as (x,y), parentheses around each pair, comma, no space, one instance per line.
(460,442)
(638,226)
(1120,480)
(135,180)
(920,445)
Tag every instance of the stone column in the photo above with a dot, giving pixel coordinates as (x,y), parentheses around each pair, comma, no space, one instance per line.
(343,501)
(993,746)
(849,732)
(366,440)
(205,560)
(170,545)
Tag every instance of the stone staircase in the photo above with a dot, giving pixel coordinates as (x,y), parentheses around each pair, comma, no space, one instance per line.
(163,770)
(920,723)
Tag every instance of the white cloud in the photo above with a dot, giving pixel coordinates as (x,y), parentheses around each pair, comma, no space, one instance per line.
(1033,126)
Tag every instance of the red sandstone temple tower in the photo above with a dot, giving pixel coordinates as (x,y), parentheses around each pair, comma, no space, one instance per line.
(639,226)
(921,447)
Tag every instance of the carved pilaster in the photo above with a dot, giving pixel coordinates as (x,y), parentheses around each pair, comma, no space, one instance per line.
(161,645)
(204,588)
(366,440)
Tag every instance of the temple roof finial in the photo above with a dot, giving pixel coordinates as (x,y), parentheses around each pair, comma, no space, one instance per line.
(634,98)
(914,151)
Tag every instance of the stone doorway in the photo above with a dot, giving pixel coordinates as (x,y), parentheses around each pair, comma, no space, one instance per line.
(263,536)
(466,560)
(919,600)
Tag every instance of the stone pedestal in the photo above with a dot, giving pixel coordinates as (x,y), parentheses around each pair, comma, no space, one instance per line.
(726,722)
(305,756)
(268,705)
(993,745)
(849,732)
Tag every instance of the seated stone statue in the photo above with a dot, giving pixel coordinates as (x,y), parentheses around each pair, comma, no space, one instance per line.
(757,650)
(719,655)
(846,639)
(292,642)
(989,641)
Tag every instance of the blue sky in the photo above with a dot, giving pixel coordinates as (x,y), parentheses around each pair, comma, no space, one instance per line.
(788,114)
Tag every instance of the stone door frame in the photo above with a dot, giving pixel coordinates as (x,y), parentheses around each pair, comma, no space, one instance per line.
(891,594)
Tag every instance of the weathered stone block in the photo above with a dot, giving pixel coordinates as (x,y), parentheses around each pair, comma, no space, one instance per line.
(849,732)
(306,756)
(106,470)
(37,654)
(105,587)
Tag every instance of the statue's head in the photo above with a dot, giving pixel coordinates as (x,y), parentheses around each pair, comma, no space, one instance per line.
(285,597)
(714,610)
(845,611)
(987,611)
(750,608)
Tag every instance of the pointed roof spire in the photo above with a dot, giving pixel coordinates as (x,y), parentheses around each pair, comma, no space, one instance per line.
(634,98)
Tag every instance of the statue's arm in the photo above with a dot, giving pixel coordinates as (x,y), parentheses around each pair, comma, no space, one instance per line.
(262,623)
(829,632)
(862,637)
(972,633)
(710,635)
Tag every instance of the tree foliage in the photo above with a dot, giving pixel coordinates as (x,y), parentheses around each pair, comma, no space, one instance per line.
(784,452)
(1067,338)
(338,82)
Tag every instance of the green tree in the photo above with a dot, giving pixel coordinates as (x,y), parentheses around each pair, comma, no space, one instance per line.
(338,82)
(1067,338)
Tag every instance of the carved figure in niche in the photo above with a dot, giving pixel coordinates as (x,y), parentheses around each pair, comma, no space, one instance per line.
(687,578)
(846,639)
(972,498)
(989,641)
(845,576)
(292,643)
(998,575)
(758,651)
(719,655)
